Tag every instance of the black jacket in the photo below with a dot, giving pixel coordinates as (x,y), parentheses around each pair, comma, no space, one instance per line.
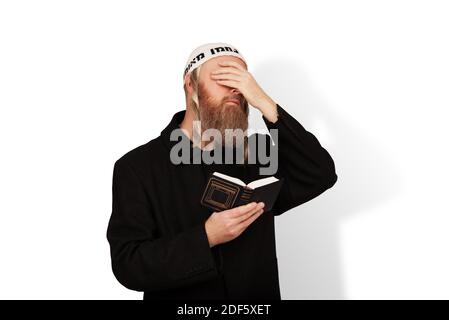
(157,234)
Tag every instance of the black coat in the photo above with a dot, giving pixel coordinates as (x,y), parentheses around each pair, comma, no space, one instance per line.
(156,231)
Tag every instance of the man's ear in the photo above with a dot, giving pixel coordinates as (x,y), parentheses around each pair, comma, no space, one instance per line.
(188,83)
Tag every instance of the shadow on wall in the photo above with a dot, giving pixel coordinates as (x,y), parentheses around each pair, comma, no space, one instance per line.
(308,236)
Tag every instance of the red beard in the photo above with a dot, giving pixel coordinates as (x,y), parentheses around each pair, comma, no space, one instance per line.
(223,114)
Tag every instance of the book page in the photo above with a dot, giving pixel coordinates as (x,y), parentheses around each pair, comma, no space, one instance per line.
(262,182)
(229,178)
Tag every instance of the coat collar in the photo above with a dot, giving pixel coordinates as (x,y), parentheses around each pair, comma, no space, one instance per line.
(174,124)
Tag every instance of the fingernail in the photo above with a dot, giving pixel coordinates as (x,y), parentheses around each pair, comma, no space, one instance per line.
(262,204)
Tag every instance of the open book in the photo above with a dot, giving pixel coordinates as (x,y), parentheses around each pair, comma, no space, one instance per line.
(224,192)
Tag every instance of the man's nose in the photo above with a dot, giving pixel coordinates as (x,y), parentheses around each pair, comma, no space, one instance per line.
(235,91)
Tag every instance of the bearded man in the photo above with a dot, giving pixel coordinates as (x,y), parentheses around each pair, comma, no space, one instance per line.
(163,241)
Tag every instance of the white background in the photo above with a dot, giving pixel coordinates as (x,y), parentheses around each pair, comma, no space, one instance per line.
(83,82)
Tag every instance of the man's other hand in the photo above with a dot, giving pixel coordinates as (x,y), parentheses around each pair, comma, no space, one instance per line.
(227,225)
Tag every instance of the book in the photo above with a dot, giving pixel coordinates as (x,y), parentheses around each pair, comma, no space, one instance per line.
(224,192)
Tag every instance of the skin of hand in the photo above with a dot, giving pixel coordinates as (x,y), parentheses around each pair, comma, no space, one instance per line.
(227,225)
(233,75)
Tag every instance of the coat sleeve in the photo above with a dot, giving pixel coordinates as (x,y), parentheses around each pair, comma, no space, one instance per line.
(307,168)
(141,259)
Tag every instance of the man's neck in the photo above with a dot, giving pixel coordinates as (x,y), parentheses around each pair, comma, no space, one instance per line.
(187,127)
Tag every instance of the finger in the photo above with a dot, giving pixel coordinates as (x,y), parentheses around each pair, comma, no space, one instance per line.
(229,83)
(250,220)
(226,76)
(241,210)
(249,214)
(231,63)
(226,70)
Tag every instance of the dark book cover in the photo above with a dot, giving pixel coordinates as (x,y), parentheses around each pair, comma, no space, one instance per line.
(224,192)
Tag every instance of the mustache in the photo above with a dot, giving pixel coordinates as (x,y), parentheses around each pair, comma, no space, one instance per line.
(239,98)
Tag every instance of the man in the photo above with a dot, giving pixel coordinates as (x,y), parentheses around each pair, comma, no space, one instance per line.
(163,241)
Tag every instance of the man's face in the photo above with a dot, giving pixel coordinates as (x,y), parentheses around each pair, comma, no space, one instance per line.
(216,108)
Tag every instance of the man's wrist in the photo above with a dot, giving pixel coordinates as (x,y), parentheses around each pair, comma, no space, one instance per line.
(209,236)
(269,110)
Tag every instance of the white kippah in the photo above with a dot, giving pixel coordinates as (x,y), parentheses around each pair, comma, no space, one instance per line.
(208,51)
